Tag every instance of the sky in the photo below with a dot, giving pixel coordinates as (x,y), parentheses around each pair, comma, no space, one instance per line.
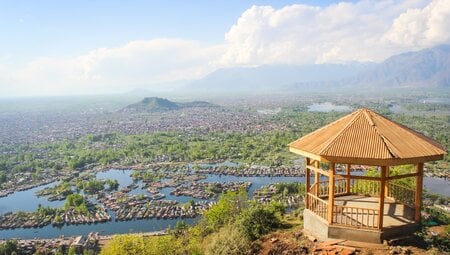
(92,46)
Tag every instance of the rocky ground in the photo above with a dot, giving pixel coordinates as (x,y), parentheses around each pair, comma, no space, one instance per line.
(293,242)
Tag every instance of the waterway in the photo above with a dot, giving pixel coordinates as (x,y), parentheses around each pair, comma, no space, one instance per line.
(28,201)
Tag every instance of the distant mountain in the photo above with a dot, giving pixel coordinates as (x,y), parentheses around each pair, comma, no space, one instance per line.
(425,68)
(156,104)
(272,77)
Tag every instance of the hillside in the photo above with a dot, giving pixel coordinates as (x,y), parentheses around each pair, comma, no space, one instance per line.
(156,104)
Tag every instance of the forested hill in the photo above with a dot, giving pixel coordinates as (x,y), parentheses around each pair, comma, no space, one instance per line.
(156,104)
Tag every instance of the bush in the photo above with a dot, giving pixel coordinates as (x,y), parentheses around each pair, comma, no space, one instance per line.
(257,220)
(135,244)
(230,204)
(163,245)
(125,244)
(229,240)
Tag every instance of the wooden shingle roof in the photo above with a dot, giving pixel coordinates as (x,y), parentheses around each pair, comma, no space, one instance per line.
(366,137)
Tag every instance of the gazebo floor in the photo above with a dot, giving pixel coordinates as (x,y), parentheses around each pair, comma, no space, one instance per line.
(395,214)
(397,221)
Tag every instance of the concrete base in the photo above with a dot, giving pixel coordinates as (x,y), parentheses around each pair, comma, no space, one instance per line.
(322,231)
(315,225)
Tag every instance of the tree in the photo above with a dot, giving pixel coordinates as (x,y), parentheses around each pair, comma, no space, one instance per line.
(132,244)
(8,247)
(72,251)
(180,228)
(229,205)
(256,221)
(164,245)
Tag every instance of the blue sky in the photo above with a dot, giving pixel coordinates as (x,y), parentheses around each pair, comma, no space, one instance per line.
(64,28)
(77,47)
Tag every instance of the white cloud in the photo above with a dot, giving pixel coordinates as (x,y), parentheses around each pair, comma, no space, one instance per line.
(302,34)
(420,28)
(136,64)
(368,30)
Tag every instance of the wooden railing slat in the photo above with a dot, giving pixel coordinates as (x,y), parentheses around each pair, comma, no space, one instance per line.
(355,216)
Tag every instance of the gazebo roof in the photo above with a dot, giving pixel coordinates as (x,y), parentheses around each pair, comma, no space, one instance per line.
(366,137)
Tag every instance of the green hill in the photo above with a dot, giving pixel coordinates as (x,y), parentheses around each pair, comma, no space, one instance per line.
(156,104)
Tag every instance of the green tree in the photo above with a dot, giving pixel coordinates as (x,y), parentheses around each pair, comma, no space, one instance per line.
(256,221)
(131,244)
(229,205)
(72,251)
(8,247)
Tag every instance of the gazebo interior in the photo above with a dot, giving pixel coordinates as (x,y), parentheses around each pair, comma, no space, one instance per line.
(345,204)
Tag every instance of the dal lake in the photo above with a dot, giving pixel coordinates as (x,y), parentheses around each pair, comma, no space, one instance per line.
(28,201)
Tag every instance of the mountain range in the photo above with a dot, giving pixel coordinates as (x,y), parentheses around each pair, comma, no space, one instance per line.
(428,68)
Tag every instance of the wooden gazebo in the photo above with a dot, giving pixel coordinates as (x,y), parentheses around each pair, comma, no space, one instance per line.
(340,204)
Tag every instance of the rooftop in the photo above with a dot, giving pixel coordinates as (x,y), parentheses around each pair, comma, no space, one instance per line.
(366,137)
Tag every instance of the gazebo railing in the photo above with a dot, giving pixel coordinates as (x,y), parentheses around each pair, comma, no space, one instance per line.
(340,187)
(317,205)
(366,187)
(321,189)
(402,194)
(355,217)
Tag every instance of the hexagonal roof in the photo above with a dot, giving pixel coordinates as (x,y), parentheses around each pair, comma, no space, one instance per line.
(366,137)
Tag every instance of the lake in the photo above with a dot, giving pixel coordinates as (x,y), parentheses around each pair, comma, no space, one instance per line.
(437,185)
(27,201)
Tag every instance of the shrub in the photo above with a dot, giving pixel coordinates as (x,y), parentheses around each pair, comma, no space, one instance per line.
(229,240)
(256,221)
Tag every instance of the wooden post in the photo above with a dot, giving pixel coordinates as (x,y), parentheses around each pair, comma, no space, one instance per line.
(307,183)
(419,186)
(347,188)
(386,185)
(381,198)
(317,177)
(331,192)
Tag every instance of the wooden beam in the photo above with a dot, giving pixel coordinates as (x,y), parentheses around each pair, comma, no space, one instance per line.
(359,177)
(305,153)
(401,176)
(331,192)
(419,186)
(381,162)
(381,198)
(347,187)
(312,162)
(317,176)
(316,169)
(307,182)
